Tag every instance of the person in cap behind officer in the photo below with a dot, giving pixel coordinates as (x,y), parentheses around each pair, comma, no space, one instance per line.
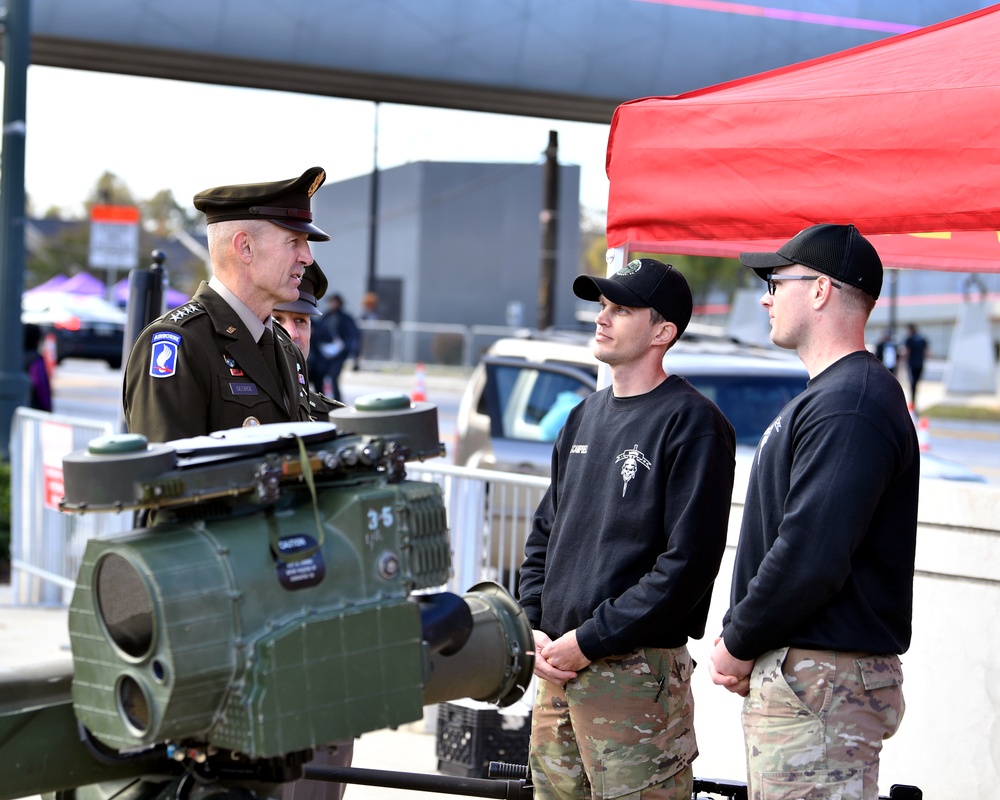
(622,554)
(822,591)
(296,319)
(217,362)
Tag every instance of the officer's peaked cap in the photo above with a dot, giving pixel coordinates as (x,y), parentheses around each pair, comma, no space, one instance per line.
(284,203)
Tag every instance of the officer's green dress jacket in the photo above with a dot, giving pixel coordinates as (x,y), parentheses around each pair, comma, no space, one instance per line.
(197,369)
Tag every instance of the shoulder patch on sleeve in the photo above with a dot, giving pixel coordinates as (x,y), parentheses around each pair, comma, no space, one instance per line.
(163,357)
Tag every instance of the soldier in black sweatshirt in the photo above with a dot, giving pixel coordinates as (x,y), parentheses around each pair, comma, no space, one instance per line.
(624,549)
(822,589)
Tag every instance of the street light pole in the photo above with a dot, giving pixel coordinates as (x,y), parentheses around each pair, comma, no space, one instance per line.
(14,383)
(550,234)
(373,210)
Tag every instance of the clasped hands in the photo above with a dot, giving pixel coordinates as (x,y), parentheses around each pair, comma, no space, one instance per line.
(558,661)
(728,671)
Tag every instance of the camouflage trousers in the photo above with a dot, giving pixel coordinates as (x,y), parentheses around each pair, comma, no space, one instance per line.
(814,722)
(624,727)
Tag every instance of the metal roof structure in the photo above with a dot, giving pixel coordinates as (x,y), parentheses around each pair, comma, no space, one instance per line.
(563,59)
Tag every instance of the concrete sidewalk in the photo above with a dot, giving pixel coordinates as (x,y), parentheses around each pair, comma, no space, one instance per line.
(35,635)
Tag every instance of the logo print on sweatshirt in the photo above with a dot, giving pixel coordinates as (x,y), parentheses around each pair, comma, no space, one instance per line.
(630,461)
(774,427)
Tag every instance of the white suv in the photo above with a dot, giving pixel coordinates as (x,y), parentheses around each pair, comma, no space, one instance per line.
(499,423)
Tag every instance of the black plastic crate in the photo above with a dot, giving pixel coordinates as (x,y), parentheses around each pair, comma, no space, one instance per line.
(468,739)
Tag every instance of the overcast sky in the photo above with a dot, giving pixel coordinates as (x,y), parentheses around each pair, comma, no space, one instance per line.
(158,134)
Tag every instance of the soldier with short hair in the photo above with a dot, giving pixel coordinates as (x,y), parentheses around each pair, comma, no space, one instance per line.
(622,555)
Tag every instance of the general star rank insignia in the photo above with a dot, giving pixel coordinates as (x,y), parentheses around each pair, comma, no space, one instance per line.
(184,311)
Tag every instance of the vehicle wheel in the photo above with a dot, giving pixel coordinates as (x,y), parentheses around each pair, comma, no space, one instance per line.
(115,363)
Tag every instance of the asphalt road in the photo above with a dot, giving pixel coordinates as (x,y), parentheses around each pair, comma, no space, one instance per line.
(92,390)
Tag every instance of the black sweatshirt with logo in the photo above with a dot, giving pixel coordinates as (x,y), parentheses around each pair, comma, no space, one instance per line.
(627,541)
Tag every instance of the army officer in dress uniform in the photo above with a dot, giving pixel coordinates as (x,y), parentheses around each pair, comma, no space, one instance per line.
(218,361)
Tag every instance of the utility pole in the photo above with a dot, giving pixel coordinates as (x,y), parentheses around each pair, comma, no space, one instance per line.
(550,234)
(16,21)
(373,210)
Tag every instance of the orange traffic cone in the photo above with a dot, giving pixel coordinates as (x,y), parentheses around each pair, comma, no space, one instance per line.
(419,393)
(924,435)
(49,354)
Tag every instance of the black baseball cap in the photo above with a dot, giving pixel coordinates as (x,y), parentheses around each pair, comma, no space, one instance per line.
(839,251)
(311,289)
(285,203)
(643,283)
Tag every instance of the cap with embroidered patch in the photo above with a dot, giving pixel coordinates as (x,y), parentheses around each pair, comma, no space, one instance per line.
(839,251)
(285,203)
(312,287)
(643,283)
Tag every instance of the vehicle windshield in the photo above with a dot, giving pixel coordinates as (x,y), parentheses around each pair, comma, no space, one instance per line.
(750,402)
(530,404)
(533,402)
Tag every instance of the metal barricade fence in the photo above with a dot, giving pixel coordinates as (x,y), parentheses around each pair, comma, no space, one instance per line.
(385,342)
(482,336)
(379,341)
(432,343)
(489,514)
(47,545)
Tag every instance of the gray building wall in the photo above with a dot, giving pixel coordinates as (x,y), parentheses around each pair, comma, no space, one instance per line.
(464,240)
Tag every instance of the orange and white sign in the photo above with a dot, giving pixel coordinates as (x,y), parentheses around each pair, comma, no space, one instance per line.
(114,237)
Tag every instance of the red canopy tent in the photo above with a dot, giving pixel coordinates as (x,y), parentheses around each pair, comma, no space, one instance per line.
(900,136)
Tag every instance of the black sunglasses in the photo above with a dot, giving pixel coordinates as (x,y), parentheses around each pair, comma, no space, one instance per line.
(772,280)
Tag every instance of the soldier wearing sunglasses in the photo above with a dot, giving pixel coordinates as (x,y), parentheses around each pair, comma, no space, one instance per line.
(821,597)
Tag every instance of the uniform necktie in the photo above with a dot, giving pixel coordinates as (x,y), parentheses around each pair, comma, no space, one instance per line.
(267,350)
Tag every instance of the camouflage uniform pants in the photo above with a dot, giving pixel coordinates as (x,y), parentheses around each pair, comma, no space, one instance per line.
(814,722)
(624,727)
